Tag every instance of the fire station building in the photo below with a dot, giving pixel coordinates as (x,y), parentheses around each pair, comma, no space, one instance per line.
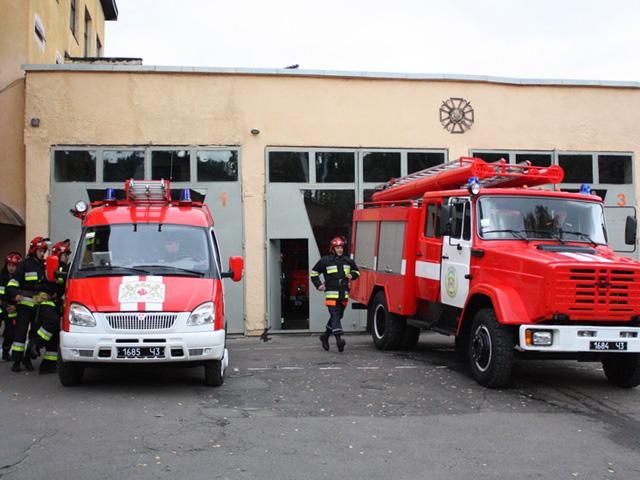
(282,156)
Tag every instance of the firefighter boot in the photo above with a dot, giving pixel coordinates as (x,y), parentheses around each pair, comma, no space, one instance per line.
(47,366)
(340,342)
(324,339)
(26,361)
(33,350)
(17,360)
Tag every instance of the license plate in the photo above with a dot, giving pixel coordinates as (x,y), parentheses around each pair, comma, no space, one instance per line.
(608,346)
(140,352)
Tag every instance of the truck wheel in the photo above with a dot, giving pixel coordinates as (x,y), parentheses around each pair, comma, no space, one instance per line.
(214,373)
(69,373)
(387,329)
(411,337)
(490,350)
(622,370)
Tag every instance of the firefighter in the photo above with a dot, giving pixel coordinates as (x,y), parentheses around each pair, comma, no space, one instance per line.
(8,312)
(337,270)
(49,311)
(24,289)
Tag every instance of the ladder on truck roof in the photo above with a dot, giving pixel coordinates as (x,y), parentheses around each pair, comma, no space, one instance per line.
(148,192)
(456,174)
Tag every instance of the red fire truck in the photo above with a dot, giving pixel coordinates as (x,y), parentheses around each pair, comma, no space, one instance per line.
(475,250)
(144,285)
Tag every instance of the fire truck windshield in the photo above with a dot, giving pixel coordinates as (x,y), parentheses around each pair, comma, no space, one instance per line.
(541,218)
(151,249)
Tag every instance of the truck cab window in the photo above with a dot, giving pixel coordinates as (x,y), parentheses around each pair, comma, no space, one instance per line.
(432,221)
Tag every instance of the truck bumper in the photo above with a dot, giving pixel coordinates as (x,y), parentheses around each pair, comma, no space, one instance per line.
(582,338)
(177,347)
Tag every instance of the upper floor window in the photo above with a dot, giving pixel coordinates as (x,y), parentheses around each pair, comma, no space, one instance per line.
(38,31)
(87,33)
(73,17)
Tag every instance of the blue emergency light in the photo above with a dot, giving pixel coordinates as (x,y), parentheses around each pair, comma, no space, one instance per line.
(473,185)
(185,195)
(585,188)
(110,195)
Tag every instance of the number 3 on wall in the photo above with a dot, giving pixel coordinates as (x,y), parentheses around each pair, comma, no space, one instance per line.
(622,200)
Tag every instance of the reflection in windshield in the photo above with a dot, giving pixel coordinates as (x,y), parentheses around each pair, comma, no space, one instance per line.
(151,249)
(541,218)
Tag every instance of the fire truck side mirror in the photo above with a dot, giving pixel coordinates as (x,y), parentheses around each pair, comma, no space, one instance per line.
(445,219)
(51,265)
(236,265)
(630,229)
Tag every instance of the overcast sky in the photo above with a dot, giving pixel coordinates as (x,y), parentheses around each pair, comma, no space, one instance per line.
(568,39)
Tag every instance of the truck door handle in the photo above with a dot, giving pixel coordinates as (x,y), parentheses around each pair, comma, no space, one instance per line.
(459,247)
(445,257)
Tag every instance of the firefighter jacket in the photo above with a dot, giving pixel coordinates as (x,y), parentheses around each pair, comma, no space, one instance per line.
(30,282)
(4,301)
(334,269)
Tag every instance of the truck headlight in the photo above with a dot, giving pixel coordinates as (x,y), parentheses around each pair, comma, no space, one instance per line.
(81,316)
(202,315)
(542,338)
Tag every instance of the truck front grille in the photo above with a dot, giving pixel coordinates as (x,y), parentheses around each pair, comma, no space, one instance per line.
(141,321)
(598,292)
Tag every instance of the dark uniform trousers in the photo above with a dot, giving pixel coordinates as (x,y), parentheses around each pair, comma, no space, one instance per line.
(48,333)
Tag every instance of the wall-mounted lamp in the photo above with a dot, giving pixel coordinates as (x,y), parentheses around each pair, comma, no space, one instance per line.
(255,131)
(35,122)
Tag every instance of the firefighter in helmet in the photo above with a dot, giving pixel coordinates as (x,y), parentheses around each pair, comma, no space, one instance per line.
(338,270)
(8,313)
(49,311)
(25,289)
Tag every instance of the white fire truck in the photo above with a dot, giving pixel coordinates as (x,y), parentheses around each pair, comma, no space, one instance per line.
(496,255)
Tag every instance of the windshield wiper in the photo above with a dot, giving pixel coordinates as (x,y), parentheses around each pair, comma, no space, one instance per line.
(111,268)
(515,233)
(580,234)
(553,235)
(173,269)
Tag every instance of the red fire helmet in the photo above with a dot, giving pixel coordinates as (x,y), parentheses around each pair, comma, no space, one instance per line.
(13,257)
(38,243)
(61,248)
(337,242)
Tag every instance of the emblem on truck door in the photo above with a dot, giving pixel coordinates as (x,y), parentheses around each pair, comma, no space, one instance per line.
(451,282)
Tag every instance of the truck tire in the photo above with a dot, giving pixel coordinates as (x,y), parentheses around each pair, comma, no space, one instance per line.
(411,337)
(622,370)
(387,329)
(490,350)
(70,373)
(214,373)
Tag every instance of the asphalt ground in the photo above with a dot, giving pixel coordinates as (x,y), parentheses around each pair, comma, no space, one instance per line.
(289,410)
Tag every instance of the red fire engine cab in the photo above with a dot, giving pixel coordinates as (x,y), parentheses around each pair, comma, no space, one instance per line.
(144,285)
(470,249)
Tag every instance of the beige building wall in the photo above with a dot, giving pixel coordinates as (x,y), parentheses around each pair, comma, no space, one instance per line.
(19,45)
(176,108)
